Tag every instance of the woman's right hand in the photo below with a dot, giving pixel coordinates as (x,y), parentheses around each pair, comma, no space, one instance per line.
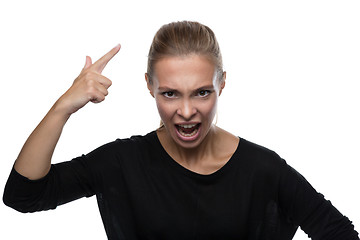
(90,85)
(34,160)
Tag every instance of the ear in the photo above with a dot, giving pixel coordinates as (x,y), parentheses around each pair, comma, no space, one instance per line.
(149,84)
(222,83)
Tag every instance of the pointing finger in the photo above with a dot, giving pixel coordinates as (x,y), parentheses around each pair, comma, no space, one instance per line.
(100,64)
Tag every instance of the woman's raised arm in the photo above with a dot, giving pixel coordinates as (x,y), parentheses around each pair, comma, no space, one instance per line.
(34,160)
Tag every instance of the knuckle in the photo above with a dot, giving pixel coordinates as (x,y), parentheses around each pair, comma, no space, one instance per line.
(91,90)
(90,83)
(88,75)
(98,99)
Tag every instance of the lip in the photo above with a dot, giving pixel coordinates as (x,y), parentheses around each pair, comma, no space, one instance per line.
(188,139)
(186,123)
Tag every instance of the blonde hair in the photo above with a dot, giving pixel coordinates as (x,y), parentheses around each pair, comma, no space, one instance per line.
(181,39)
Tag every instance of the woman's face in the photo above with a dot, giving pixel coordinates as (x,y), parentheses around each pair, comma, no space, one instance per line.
(186,90)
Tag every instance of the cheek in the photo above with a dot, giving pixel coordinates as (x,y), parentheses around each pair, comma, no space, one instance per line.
(212,111)
(165,110)
(208,108)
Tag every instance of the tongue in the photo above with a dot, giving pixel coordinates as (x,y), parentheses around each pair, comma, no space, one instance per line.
(188,130)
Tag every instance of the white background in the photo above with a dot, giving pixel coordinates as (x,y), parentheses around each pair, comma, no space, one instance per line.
(292,86)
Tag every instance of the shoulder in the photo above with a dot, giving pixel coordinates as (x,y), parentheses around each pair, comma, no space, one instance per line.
(256,150)
(124,147)
(260,157)
(133,141)
(118,154)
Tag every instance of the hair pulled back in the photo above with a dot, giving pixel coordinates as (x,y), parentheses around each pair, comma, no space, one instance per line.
(182,39)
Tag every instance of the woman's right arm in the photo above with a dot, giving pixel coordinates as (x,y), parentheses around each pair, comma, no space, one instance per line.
(34,160)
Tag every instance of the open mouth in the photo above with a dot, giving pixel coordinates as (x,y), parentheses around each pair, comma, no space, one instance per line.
(188,130)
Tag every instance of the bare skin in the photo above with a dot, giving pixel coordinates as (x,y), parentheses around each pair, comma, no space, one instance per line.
(215,154)
(186,90)
(34,160)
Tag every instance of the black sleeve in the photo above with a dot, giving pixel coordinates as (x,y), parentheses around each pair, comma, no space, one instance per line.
(311,211)
(65,182)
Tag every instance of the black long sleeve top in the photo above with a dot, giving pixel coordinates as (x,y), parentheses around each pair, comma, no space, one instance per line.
(142,193)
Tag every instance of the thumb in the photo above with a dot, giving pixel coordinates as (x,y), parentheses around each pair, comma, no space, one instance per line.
(88,62)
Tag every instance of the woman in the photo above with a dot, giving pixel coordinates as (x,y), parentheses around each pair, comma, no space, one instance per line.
(189,179)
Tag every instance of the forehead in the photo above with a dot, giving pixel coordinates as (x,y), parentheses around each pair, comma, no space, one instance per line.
(191,71)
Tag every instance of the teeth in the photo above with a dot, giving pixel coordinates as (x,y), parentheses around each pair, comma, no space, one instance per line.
(184,129)
(188,134)
(188,126)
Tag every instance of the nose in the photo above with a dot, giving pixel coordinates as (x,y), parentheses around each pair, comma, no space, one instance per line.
(186,110)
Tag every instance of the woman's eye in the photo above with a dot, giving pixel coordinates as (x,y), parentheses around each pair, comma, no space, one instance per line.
(169,94)
(203,93)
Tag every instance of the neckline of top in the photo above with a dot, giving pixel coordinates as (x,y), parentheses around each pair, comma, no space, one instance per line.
(183,170)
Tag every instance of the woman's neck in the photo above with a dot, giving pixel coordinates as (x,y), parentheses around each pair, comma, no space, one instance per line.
(196,158)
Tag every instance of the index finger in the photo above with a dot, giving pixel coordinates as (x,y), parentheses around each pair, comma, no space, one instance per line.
(100,64)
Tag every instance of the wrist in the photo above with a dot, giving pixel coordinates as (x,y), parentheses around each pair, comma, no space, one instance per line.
(60,109)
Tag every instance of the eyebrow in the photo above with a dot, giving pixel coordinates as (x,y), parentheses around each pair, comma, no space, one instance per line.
(165,88)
